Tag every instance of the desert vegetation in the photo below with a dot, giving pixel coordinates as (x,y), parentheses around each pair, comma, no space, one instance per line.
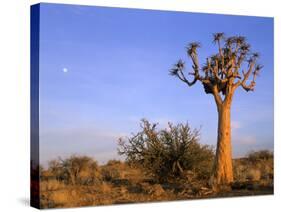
(171,163)
(161,164)
(234,65)
(169,153)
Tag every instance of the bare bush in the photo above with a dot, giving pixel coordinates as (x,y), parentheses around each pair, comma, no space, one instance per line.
(110,173)
(256,156)
(257,166)
(75,170)
(169,152)
(114,169)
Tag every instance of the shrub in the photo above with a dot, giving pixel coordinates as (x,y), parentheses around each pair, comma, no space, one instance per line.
(254,174)
(110,173)
(113,162)
(75,170)
(239,171)
(55,168)
(257,166)
(263,161)
(169,152)
(51,185)
(255,156)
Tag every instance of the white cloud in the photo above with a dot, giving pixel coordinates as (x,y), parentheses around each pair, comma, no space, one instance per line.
(235,125)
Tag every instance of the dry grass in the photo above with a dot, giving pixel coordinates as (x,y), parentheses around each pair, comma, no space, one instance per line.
(120,183)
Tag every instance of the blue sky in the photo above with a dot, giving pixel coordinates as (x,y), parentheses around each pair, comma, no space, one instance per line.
(103,69)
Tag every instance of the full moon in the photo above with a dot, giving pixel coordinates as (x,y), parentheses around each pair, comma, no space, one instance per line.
(65,70)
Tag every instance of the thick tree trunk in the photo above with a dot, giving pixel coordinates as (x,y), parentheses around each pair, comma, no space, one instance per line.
(222,170)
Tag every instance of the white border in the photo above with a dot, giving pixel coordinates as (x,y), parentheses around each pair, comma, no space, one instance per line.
(14,106)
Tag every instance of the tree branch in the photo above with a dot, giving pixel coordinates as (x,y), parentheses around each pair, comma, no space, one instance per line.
(222,71)
(246,75)
(184,79)
(217,96)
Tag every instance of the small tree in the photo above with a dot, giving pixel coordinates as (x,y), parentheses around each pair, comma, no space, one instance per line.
(220,76)
(75,166)
(56,169)
(166,153)
(75,169)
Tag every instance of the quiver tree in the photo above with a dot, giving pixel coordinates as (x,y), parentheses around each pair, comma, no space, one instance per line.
(233,66)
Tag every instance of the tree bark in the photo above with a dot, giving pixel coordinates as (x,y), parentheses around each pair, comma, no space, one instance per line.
(222,170)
